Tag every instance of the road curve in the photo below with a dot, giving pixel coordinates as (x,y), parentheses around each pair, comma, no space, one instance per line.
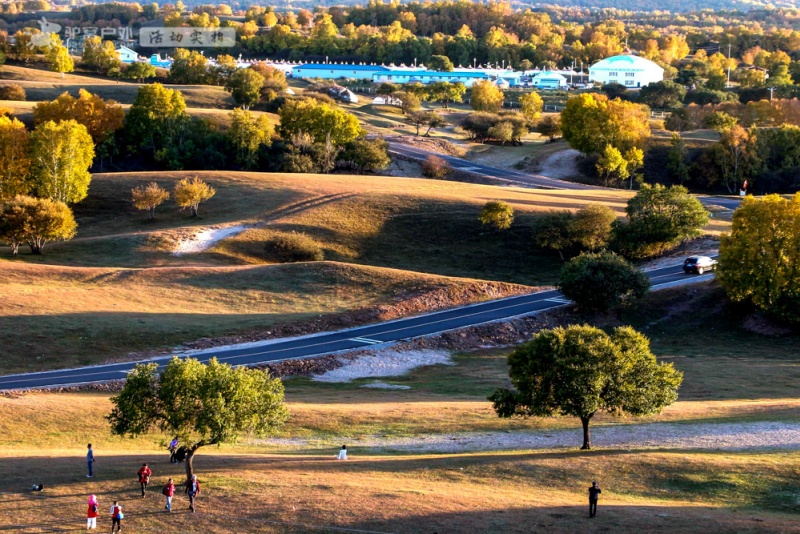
(340,340)
(512,177)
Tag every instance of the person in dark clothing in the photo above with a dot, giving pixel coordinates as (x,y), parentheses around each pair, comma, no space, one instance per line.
(594,492)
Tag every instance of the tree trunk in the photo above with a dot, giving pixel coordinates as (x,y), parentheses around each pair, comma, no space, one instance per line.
(587,440)
(194,210)
(189,465)
(152,213)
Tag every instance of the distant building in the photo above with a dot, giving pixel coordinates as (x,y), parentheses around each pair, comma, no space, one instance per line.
(334,71)
(627,70)
(548,79)
(410,75)
(126,55)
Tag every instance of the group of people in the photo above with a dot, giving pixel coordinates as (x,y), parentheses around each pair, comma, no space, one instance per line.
(192,490)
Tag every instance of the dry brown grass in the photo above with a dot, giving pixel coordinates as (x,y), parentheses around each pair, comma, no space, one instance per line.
(52,316)
(255,489)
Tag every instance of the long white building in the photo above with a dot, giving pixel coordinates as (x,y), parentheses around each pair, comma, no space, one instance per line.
(628,70)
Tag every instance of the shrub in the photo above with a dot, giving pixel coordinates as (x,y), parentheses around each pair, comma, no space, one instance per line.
(497,214)
(12,92)
(600,282)
(436,168)
(292,247)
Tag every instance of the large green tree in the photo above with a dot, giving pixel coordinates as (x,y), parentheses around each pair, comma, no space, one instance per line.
(580,370)
(61,155)
(247,135)
(245,85)
(659,218)
(323,122)
(600,282)
(201,404)
(157,118)
(759,261)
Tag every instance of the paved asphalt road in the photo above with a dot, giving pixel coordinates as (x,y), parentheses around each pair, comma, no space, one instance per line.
(507,175)
(355,338)
(523,179)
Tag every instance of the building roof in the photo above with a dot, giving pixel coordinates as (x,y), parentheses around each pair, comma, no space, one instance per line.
(340,66)
(626,62)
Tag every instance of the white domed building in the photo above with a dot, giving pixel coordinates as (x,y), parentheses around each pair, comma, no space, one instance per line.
(628,70)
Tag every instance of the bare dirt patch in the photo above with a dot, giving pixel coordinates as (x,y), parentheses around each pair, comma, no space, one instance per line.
(561,165)
(440,146)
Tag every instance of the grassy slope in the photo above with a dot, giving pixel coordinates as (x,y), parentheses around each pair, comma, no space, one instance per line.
(54,316)
(260,488)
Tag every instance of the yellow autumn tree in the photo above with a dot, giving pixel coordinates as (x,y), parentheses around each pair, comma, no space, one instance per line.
(14,160)
(189,193)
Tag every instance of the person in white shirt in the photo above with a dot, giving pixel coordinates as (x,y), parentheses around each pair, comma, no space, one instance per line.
(342,453)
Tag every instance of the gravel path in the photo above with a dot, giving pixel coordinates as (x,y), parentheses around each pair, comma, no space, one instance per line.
(722,436)
(382,363)
(560,165)
(205,239)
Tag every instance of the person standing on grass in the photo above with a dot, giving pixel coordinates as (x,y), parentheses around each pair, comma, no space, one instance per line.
(116,517)
(173,446)
(92,513)
(89,460)
(144,477)
(169,492)
(192,490)
(342,453)
(594,493)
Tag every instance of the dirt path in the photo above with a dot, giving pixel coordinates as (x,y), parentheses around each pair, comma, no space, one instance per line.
(720,436)
(560,165)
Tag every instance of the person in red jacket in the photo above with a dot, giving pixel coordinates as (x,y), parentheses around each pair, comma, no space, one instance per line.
(169,491)
(92,513)
(116,517)
(144,477)
(192,490)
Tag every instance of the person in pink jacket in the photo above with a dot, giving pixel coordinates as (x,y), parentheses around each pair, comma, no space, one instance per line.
(92,513)
(169,492)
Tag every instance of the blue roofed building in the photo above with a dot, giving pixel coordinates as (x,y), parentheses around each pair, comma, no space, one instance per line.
(411,75)
(335,71)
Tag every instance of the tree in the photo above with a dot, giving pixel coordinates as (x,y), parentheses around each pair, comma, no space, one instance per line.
(497,214)
(274,80)
(319,120)
(720,121)
(531,105)
(759,259)
(736,155)
(554,231)
(245,85)
(35,221)
(13,92)
(676,159)
(580,370)
(612,165)
(190,193)
(149,197)
(366,154)
(409,102)
(201,404)
(440,63)
(614,90)
(247,135)
(590,122)
(58,56)
(446,92)
(659,218)
(486,96)
(550,127)
(225,66)
(601,282)
(100,55)
(188,67)
(14,159)
(100,117)
(591,226)
(139,71)
(156,118)
(503,131)
(662,95)
(61,154)
(436,168)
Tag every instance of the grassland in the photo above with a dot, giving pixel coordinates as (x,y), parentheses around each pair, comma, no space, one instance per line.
(269,487)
